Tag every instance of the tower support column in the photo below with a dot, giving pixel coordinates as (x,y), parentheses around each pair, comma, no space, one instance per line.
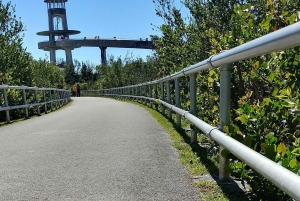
(103,55)
(68,51)
(52,56)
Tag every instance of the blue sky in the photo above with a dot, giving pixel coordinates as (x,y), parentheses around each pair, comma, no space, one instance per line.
(130,19)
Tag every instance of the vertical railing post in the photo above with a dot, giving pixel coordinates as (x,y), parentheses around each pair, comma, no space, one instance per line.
(69,95)
(57,99)
(25,103)
(141,93)
(225,96)
(155,95)
(177,102)
(169,99)
(136,92)
(193,109)
(37,101)
(162,94)
(51,100)
(145,94)
(150,95)
(45,101)
(6,105)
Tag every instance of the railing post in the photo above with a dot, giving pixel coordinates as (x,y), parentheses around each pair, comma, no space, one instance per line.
(145,94)
(136,92)
(177,102)
(150,95)
(225,96)
(45,101)
(155,95)
(162,97)
(51,100)
(25,103)
(169,99)
(57,99)
(37,101)
(6,105)
(193,109)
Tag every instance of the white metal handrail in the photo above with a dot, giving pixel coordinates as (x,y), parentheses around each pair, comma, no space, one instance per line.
(58,96)
(284,38)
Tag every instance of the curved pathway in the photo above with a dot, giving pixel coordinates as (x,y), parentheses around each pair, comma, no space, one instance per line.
(94,149)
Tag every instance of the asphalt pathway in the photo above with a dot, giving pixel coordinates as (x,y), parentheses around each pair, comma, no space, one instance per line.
(94,149)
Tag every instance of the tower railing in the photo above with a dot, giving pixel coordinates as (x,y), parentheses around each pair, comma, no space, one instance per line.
(284,38)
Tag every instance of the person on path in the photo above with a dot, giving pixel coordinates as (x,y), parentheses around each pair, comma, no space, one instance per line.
(74,90)
(78,90)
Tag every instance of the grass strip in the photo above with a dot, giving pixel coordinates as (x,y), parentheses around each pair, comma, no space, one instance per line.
(198,160)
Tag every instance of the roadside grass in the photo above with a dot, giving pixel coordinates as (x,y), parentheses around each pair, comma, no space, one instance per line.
(198,160)
(14,121)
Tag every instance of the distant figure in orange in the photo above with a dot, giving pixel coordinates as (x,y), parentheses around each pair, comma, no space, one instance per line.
(74,90)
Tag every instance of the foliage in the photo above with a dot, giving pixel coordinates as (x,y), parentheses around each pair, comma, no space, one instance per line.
(265,90)
(17,67)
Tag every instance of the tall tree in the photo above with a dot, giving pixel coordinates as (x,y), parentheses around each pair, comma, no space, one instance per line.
(14,60)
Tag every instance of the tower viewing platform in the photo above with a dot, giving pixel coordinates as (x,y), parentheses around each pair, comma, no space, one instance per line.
(56,14)
(59,36)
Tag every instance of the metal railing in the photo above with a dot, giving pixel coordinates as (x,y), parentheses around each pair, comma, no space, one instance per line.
(282,39)
(51,96)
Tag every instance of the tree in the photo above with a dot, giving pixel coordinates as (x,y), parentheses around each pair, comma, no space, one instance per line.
(14,60)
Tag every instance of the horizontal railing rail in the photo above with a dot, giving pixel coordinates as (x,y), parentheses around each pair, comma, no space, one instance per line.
(284,38)
(51,96)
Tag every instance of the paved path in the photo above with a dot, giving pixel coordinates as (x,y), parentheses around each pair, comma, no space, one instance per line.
(94,149)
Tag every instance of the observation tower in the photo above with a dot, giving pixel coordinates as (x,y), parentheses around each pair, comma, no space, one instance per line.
(58,30)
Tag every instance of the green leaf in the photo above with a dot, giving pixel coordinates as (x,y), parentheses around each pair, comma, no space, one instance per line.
(292,18)
(247,141)
(285,162)
(243,118)
(275,91)
(271,152)
(224,153)
(281,149)
(271,76)
(293,163)
(210,79)
(273,140)
(267,101)
(296,152)
(215,108)
(238,165)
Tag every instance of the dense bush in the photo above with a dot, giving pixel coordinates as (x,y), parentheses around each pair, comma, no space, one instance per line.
(265,108)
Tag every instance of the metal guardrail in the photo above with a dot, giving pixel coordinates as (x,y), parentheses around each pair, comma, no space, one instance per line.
(282,39)
(51,96)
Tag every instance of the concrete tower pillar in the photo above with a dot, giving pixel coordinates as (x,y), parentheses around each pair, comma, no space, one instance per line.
(103,55)
(64,22)
(68,51)
(52,56)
